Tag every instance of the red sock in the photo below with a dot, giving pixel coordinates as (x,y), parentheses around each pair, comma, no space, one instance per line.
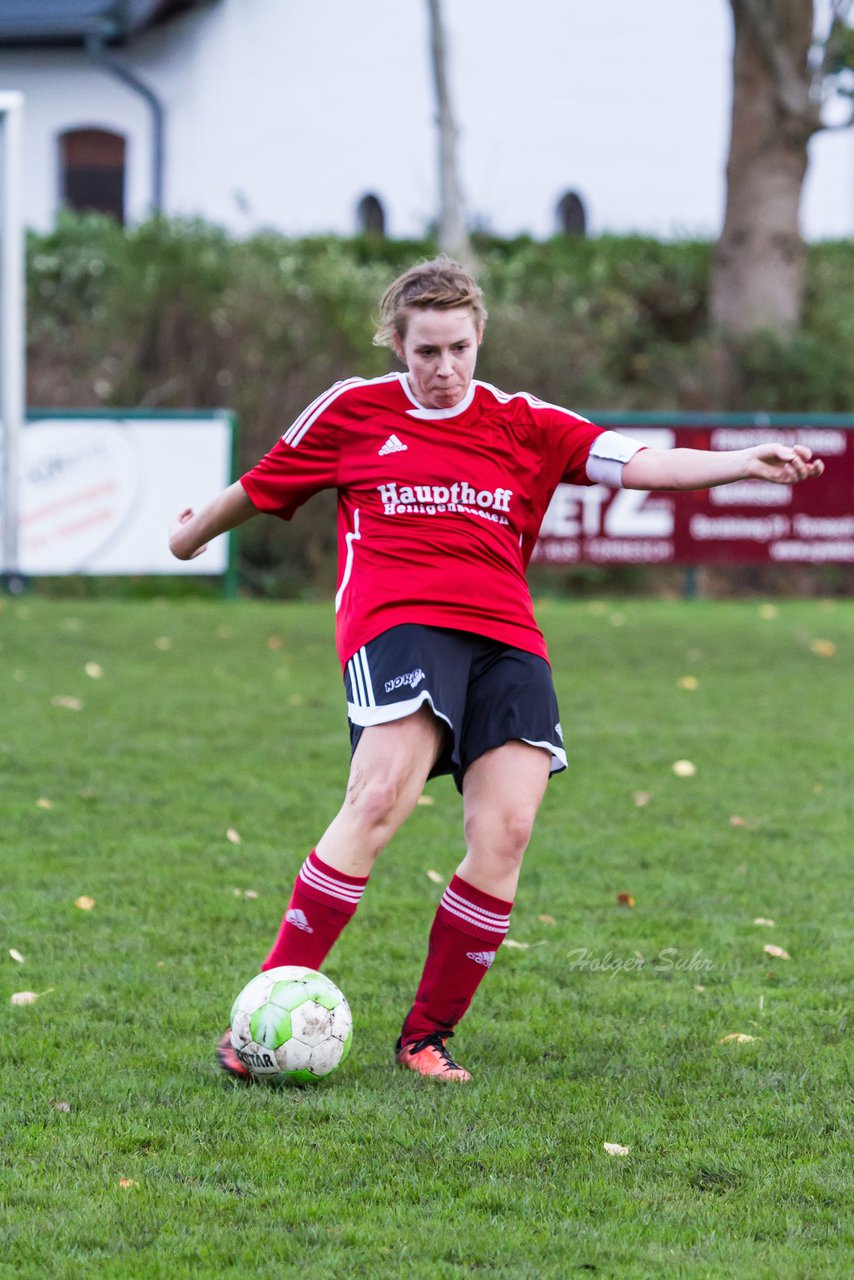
(468,930)
(322,902)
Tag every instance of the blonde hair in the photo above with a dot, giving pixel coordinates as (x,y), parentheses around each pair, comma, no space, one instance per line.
(440,283)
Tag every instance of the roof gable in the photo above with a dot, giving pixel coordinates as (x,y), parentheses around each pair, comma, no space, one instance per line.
(25,23)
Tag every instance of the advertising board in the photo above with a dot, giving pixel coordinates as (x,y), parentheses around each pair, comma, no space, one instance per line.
(747,522)
(98,493)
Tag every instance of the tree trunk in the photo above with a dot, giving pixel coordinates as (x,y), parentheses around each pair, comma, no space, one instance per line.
(758,269)
(452,235)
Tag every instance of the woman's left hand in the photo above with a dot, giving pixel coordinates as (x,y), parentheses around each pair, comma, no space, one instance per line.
(784,465)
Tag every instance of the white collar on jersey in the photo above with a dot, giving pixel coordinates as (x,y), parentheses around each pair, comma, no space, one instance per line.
(436,415)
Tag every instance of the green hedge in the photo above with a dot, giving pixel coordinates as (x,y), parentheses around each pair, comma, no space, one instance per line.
(173,314)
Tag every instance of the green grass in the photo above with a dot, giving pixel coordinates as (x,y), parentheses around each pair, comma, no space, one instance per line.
(607,1027)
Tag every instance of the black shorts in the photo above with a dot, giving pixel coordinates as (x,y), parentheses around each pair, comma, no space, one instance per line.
(486,692)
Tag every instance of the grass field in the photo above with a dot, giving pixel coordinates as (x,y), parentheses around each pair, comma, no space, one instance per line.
(135,736)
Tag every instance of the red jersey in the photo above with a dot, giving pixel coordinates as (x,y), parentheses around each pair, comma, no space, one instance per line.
(438,509)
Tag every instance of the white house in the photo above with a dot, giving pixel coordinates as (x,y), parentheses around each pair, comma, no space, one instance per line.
(313,117)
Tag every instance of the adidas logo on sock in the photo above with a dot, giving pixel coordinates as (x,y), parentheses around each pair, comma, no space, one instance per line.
(481,957)
(392,445)
(298,919)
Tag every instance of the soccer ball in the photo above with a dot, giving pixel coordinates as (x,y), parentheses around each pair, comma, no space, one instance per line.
(291,1024)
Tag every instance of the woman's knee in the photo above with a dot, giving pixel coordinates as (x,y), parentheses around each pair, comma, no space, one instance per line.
(501,835)
(375,799)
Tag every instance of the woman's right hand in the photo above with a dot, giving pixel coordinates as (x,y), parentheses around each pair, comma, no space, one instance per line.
(179,545)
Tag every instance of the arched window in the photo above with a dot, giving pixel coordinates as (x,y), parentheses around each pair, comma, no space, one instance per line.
(370,215)
(571,214)
(92,171)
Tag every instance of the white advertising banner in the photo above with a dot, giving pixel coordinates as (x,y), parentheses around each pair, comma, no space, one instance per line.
(97,494)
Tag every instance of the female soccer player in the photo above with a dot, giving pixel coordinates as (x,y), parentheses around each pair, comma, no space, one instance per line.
(442,484)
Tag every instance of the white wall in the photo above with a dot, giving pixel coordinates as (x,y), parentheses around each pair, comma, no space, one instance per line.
(282,114)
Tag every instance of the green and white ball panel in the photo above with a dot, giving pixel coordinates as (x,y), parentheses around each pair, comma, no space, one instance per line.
(258,990)
(291,1022)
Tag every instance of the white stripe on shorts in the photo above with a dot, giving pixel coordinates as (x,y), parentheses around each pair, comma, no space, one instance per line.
(364,716)
(360,679)
(362,656)
(356,689)
(557,753)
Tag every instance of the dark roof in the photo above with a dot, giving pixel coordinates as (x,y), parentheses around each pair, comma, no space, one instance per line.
(25,23)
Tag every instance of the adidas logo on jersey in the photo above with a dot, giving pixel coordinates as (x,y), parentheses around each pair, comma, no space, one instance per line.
(392,445)
(481,957)
(298,919)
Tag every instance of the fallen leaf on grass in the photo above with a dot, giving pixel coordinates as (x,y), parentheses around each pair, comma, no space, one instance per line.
(435,877)
(699,987)
(688,682)
(823,648)
(626,900)
(66,701)
(274,642)
(44,803)
(425,800)
(519,946)
(614,1149)
(817,788)
(772,950)
(84,903)
(16,955)
(763,920)
(641,798)
(736,1037)
(94,670)
(546,919)
(163,643)
(684,768)
(59,1104)
(28,997)
(233,836)
(161,964)
(767,612)
(128,1184)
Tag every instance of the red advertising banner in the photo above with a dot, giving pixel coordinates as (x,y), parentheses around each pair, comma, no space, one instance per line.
(749,522)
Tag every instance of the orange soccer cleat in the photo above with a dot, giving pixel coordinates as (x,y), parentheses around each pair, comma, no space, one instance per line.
(430,1057)
(228,1059)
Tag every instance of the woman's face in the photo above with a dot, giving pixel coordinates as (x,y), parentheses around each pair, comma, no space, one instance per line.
(440,351)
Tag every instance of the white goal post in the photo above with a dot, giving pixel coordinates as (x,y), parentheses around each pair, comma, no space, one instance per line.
(12,328)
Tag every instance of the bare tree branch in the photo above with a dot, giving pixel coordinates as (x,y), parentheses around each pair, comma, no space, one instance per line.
(839,11)
(793,84)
